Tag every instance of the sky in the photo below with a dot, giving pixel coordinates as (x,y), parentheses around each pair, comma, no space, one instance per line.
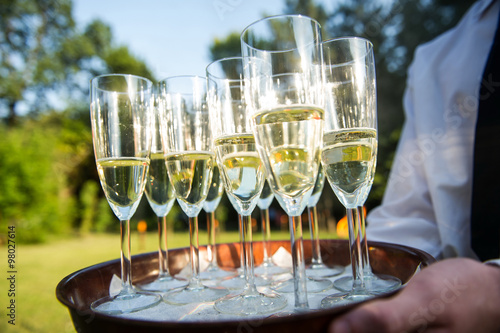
(173,36)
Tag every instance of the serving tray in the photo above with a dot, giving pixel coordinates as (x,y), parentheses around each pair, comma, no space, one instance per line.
(79,289)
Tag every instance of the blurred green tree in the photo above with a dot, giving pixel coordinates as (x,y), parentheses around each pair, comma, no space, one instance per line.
(48,177)
(45,59)
(34,195)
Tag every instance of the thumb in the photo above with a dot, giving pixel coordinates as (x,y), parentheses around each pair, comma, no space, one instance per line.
(379,316)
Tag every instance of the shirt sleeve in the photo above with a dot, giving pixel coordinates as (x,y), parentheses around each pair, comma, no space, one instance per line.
(406,215)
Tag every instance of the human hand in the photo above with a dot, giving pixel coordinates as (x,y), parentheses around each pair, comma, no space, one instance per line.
(453,295)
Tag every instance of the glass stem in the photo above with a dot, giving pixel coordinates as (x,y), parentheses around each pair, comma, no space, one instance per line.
(313,229)
(366,259)
(266,236)
(125,257)
(242,249)
(194,253)
(162,249)
(211,246)
(299,269)
(356,247)
(248,253)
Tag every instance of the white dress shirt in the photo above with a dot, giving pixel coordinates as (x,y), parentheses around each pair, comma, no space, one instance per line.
(428,197)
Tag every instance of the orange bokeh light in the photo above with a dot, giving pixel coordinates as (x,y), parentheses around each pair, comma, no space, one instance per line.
(142,226)
(342,227)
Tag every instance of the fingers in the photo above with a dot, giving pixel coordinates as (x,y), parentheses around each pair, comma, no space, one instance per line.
(454,295)
(377,316)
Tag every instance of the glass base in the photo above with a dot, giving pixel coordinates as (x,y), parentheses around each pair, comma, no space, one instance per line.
(163,284)
(323,271)
(239,282)
(251,304)
(215,273)
(125,303)
(267,270)
(345,299)
(196,294)
(374,284)
(312,285)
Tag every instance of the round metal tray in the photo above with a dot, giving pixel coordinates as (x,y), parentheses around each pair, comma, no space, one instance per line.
(79,289)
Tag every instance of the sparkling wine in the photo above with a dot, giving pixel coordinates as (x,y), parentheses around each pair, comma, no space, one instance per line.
(190,174)
(159,189)
(241,166)
(266,196)
(318,188)
(349,160)
(122,179)
(290,137)
(215,191)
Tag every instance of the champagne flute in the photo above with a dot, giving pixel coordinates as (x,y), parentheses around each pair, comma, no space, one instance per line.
(287,114)
(350,143)
(374,283)
(160,196)
(121,132)
(242,174)
(189,158)
(318,269)
(213,271)
(267,269)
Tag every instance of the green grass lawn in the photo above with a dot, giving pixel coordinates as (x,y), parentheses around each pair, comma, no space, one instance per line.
(41,267)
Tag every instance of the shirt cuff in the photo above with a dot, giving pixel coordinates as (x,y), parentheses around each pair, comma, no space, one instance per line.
(493,262)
